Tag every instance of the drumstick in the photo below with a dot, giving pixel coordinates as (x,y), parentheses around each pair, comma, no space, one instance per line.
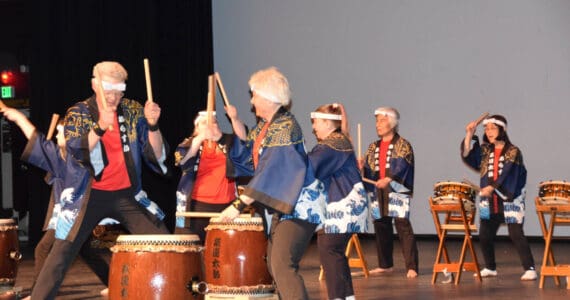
(147,79)
(364,179)
(102,92)
(196,214)
(211,106)
(474,186)
(359,141)
(222,90)
(481,118)
(51,129)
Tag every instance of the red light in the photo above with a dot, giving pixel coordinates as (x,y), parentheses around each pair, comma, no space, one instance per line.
(7,77)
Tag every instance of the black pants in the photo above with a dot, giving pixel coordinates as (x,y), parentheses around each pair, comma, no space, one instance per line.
(96,259)
(335,264)
(285,248)
(487,234)
(385,242)
(119,205)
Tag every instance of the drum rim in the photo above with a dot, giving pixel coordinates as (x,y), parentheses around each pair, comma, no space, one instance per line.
(439,183)
(238,221)
(555,200)
(448,197)
(7,221)
(158,238)
(552,182)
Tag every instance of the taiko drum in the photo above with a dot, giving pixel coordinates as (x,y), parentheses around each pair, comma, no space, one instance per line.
(9,252)
(156,267)
(235,257)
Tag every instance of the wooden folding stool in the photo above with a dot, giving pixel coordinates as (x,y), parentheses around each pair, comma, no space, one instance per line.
(455,219)
(550,214)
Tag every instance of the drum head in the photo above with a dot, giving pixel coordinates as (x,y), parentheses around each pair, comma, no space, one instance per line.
(451,183)
(158,243)
(554,182)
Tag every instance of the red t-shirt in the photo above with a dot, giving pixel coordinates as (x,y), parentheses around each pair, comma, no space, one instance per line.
(384,145)
(211,184)
(115,176)
(495,176)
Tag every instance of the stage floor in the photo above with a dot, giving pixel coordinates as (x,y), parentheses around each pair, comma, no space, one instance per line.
(81,283)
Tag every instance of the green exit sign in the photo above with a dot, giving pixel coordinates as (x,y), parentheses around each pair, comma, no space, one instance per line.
(7,92)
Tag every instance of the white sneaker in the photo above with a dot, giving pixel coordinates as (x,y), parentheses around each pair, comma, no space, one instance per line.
(486,273)
(529,275)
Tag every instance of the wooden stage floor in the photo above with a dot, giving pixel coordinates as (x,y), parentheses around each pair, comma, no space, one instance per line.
(81,283)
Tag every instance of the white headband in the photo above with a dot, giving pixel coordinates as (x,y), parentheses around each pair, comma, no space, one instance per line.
(385,113)
(320,115)
(495,121)
(107,86)
(201,115)
(265,95)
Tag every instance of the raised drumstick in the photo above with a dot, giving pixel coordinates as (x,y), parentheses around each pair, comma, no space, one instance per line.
(358,130)
(52,125)
(102,92)
(222,90)
(147,79)
(481,118)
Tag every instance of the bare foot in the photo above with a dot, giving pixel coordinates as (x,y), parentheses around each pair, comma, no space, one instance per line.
(412,274)
(105,292)
(381,270)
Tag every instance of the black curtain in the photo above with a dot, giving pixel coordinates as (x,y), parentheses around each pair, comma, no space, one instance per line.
(70,36)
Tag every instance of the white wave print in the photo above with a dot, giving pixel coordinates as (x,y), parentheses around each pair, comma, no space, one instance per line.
(349,214)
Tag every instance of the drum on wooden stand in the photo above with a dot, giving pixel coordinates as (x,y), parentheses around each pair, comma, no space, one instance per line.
(9,252)
(555,193)
(156,267)
(235,257)
(449,192)
(554,190)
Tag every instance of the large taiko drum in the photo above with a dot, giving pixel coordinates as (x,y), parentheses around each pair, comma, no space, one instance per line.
(156,267)
(553,191)
(449,192)
(9,252)
(235,257)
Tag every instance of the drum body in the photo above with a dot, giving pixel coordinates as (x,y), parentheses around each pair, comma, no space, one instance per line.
(552,190)
(449,192)
(235,257)
(9,252)
(155,267)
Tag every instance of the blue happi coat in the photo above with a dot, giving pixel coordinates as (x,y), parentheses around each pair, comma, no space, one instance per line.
(393,201)
(282,166)
(190,168)
(79,120)
(510,185)
(69,180)
(335,166)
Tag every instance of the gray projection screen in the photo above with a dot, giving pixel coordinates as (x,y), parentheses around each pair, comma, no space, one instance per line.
(440,63)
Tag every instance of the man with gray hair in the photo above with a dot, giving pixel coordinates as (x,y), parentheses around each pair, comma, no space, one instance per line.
(111,136)
(279,171)
(390,162)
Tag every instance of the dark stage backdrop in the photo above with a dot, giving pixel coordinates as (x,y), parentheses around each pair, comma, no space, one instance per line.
(69,37)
